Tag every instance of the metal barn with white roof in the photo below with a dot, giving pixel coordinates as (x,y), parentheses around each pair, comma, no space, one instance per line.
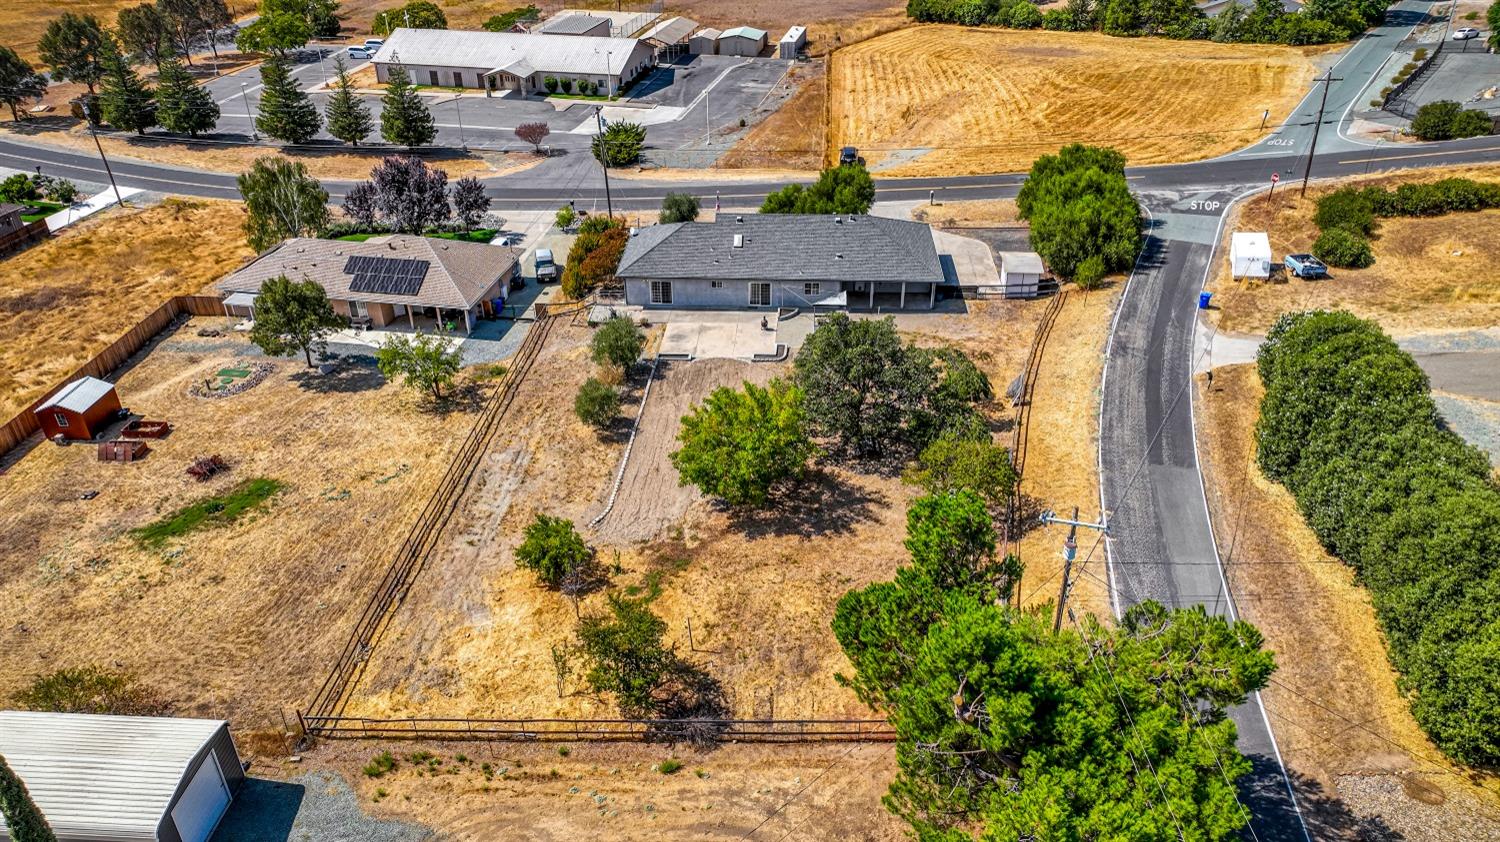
(123,778)
(742,41)
(511,61)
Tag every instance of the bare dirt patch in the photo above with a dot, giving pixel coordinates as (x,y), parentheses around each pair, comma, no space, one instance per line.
(1430,272)
(792,137)
(237,621)
(66,299)
(978,99)
(979,212)
(1363,768)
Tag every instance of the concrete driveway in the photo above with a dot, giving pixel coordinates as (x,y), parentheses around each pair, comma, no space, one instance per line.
(970,261)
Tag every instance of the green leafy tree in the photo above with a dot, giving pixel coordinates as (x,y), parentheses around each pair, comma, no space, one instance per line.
(347,115)
(19,82)
(596,404)
(954,461)
(145,32)
(286,113)
(566,216)
(843,189)
(191,21)
(19,187)
(618,342)
(292,316)
(626,655)
(505,21)
(90,689)
(552,549)
(679,207)
(620,145)
(417,14)
(427,362)
(126,102)
(75,47)
(738,445)
(274,32)
(20,814)
(1080,206)
(183,106)
(403,117)
(281,201)
(1492,18)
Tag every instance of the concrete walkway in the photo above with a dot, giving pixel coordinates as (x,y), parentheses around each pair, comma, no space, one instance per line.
(88,207)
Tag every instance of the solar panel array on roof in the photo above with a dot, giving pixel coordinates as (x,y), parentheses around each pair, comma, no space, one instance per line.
(385,275)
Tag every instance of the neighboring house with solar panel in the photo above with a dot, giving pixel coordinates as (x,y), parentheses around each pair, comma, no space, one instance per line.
(765,261)
(118,778)
(511,61)
(396,280)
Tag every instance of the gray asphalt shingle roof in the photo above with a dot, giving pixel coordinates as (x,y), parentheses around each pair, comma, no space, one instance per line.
(785,247)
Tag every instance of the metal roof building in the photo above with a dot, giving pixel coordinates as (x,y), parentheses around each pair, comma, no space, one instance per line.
(500,61)
(576,24)
(126,778)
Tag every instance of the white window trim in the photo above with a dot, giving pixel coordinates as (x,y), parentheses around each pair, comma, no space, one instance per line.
(62,420)
(657,288)
(811,288)
(715,284)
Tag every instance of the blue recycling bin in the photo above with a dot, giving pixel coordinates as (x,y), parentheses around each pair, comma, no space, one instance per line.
(1203,299)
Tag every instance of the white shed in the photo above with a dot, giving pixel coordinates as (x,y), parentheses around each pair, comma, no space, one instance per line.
(704,43)
(117,778)
(792,43)
(1250,254)
(1020,274)
(742,41)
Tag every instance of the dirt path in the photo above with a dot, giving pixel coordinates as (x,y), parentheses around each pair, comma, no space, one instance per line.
(650,499)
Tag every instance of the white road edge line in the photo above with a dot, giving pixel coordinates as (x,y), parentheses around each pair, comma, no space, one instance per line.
(1207,515)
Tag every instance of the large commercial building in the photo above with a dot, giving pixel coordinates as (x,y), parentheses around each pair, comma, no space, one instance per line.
(511,61)
(783,260)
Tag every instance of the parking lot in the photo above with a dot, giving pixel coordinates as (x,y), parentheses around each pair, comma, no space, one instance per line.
(679,103)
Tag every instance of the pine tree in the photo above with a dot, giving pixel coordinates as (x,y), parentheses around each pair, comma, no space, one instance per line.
(127,103)
(348,118)
(286,113)
(403,117)
(18,812)
(181,105)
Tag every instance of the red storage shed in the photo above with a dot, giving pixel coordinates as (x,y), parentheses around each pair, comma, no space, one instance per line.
(79,410)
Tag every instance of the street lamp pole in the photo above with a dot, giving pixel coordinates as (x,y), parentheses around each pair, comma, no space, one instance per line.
(245,98)
(457,106)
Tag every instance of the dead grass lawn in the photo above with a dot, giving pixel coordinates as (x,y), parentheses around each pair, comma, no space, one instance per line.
(64,300)
(1333,702)
(974,212)
(1429,273)
(985,100)
(792,137)
(239,621)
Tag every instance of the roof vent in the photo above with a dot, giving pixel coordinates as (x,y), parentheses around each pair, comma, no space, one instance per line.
(739,219)
(739,241)
(839,256)
(634,230)
(838,220)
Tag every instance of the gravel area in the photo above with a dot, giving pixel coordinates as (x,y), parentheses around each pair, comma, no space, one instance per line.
(315,807)
(1412,808)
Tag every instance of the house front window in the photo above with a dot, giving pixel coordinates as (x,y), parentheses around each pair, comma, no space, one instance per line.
(760,294)
(661,292)
(715,284)
(810,288)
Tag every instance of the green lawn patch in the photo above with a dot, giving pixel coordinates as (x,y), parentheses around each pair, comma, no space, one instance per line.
(599,97)
(40,210)
(218,510)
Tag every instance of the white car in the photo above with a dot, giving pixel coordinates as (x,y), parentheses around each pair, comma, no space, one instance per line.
(374,44)
(1465,34)
(361,53)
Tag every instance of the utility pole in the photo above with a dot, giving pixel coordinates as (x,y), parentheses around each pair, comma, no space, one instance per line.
(604,160)
(1070,552)
(1307,172)
(99,146)
(457,99)
(245,98)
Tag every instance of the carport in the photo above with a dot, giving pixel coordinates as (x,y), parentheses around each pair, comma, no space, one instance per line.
(670,37)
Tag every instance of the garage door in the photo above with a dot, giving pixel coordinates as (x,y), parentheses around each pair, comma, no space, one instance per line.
(202,802)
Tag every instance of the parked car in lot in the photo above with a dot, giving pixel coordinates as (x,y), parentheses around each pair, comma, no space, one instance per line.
(1465,33)
(546,270)
(361,53)
(374,44)
(1305,266)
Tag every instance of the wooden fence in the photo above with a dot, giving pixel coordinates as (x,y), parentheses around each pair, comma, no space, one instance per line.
(25,235)
(17,429)
(602,730)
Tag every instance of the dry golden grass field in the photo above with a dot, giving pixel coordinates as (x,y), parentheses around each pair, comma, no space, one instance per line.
(64,300)
(22,22)
(1430,273)
(235,620)
(946,100)
(1363,768)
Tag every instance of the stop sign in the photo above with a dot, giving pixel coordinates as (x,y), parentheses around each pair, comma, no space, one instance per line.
(1275,177)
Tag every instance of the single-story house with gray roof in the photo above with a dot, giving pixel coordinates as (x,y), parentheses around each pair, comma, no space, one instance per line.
(386,280)
(783,260)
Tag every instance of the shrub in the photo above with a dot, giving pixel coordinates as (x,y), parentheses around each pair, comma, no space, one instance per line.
(566,216)
(596,404)
(954,461)
(550,83)
(380,764)
(205,468)
(594,256)
(1348,426)
(1346,207)
(1421,52)
(1343,248)
(90,689)
(620,145)
(679,207)
(1090,273)
(552,549)
(842,189)
(626,654)
(1446,120)
(618,342)
(566,85)
(669,766)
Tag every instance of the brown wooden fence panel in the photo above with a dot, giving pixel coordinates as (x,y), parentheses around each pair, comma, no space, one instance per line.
(112,357)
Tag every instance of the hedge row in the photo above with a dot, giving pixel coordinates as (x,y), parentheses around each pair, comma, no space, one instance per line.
(1348,426)
(1347,216)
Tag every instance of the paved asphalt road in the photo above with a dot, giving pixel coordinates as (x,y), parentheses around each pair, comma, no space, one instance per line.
(1161,544)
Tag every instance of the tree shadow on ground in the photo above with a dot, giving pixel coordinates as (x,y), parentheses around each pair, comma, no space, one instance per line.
(350,374)
(693,702)
(1326,815)
(822,504)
